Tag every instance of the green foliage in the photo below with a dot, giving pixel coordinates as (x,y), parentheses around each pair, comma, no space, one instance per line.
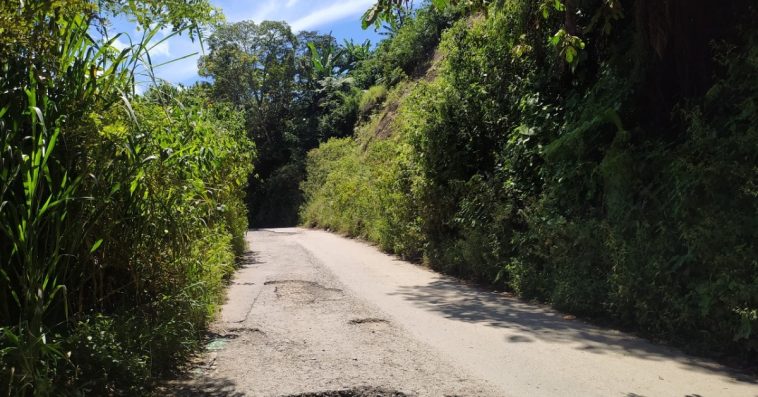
(339,107)
(371,100)
(293,94)
(408,52)
(121,216)
(567,184)
(365,193)
(106,357)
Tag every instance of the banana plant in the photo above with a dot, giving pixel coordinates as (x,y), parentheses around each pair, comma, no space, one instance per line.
(327,62)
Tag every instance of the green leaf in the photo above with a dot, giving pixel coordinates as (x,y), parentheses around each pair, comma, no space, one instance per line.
(570,54)
(95,246)
(133,186)
(369,17)
(440,4)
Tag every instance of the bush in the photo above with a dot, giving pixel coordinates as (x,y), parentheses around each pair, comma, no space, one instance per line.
(408,52)
(510,167)
(365,191)
(371,100)
(121,215)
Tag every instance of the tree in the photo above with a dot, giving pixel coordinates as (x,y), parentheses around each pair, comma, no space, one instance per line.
(565,39)
(253,67)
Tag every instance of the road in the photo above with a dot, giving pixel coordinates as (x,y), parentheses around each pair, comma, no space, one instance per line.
(314,314)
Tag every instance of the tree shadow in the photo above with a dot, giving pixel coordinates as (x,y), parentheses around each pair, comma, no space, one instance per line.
(472,304)
(205,386)
(248,259)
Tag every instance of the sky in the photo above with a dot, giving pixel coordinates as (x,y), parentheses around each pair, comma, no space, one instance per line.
(340,17)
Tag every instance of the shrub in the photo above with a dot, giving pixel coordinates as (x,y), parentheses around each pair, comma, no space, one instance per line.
(120,215)
(507,166)
(371,100)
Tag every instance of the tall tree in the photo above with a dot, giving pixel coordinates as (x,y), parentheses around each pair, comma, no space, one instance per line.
(253,67)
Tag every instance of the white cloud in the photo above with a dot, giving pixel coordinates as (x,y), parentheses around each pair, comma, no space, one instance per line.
(160,49)
(300,14)
(338,10)
(261,12)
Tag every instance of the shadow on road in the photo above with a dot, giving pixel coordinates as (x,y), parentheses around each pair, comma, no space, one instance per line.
(461,302)
(249,258)
(206,387)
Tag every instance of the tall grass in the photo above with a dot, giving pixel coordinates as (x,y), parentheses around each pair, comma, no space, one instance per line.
(38,192)
(119,216)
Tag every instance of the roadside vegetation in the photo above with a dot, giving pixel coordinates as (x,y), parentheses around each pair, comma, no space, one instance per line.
(601,156)
(120,214)
(292,92)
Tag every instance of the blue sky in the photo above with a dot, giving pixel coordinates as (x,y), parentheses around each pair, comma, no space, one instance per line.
(340,17)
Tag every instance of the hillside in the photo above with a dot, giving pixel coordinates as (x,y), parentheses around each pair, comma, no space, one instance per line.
(611,173)
(598,156)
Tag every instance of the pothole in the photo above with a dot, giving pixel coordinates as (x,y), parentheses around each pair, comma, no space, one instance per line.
(238,330)
(357,392)
(303,291)
(218,341)
(369,320)
(301,282)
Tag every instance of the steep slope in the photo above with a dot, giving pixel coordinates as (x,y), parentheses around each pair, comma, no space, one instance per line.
(507,165)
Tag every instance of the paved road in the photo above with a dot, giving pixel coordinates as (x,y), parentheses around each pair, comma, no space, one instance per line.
(312,312)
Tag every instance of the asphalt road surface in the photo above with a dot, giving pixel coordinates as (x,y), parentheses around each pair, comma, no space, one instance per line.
(311,313)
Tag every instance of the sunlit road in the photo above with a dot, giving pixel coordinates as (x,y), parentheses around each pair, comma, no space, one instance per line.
(314,312)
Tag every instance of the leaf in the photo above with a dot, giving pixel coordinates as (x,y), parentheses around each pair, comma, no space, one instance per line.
(95,246)
(556,39)
(570,54)
(133,186)
(369,17)
(170,61)
(440,4)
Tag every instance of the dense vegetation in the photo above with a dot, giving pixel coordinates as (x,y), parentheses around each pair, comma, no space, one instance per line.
(120,214)
(598,155)
(292,93)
